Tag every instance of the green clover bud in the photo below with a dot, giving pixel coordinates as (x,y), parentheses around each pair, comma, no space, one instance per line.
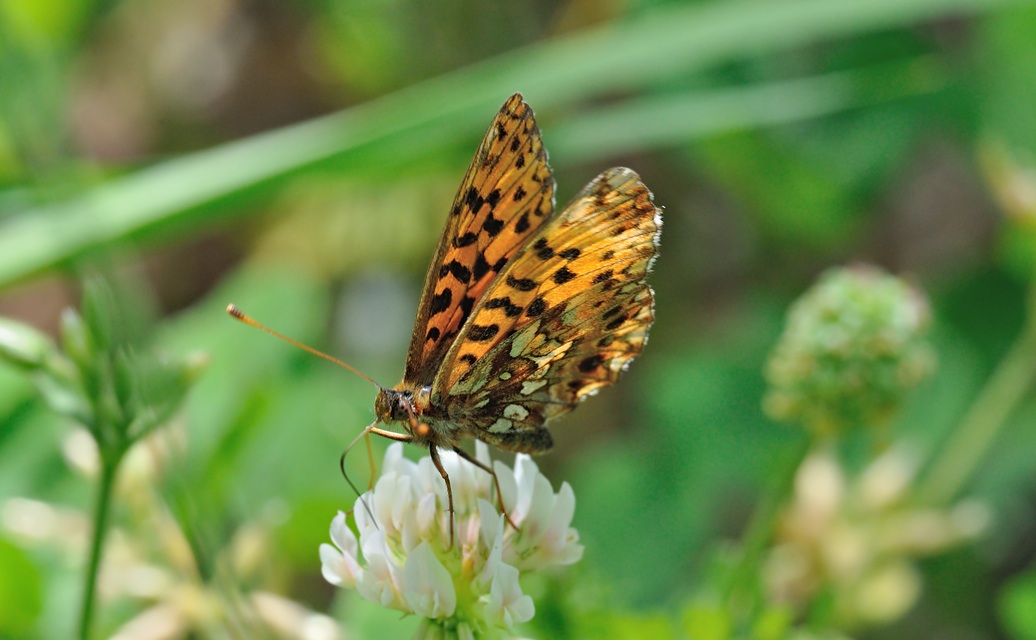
(853,347)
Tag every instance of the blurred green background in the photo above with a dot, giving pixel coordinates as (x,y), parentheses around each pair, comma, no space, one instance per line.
(299,158)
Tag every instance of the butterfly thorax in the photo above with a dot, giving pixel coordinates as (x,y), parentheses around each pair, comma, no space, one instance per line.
(411,407)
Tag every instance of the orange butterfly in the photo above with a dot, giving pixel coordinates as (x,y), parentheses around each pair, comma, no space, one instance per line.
(526,310)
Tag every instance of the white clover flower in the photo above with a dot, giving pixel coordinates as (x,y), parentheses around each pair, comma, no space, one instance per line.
(857,539)
(403,559)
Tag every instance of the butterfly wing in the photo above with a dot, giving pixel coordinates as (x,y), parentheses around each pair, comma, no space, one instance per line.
(504,198)
(564,317)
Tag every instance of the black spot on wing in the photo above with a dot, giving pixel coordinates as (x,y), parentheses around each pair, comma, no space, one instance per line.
(468,358)
(523,222)
(536,307)
(543,252)
(570,254)
(468,238)
(481,267)
(603,276)
(588,365)
(433,334)
(521,284)
(465,307)
(473,199)
(562,275)
(482,333)
(492,225)
(519,195)
(459,271)
(440,302)
(511,310)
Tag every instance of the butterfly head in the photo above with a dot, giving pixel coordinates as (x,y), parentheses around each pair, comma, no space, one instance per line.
(403,405)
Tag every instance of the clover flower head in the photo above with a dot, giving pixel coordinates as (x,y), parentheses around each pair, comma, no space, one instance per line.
(403,558)
(854,345)
(858,539)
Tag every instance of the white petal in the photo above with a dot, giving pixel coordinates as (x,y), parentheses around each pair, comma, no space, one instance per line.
(560,542)
(426,517)
(507,604)
(427,585)
(491,521)
(536,519)
(393,460)
(338,569)
(429,480)
(342,535)
(410,532)
(508,489)
(339,565)
(362,514)
(379,582)
(525,474)
(390,490)
(492,531)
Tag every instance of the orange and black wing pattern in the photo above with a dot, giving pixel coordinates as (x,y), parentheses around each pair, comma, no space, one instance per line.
(562,319)
(506,195)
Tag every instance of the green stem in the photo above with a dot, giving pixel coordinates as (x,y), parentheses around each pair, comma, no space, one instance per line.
(760,530)
(987,416)
(102,510)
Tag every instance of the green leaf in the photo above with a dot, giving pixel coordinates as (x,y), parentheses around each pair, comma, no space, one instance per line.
(707,622)
(667,42)
(1018,607)
(20,591)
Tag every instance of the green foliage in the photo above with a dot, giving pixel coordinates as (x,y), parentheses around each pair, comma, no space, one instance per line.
(1018,607)
(781,137)
(20,591)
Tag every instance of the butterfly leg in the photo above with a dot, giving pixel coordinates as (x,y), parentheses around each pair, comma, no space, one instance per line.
(496,482)
(434,453)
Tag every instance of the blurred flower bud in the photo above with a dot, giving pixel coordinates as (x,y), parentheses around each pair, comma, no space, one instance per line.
(854,541)
(853,346)
(23,346)
(76,340)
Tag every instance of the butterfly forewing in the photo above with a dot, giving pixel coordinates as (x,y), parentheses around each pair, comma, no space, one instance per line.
(563,318)
(506,195)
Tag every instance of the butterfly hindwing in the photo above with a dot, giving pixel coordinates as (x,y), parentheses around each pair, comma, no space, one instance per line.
(506,195)
(563,318)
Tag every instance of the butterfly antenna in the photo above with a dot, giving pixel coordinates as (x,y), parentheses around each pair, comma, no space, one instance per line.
(237,314)
(370,456)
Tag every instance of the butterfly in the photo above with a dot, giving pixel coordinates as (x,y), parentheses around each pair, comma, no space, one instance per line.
(526,310)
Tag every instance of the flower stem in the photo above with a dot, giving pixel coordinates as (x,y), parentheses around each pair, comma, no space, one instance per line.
(102,510)
(985,419)
(760,530)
